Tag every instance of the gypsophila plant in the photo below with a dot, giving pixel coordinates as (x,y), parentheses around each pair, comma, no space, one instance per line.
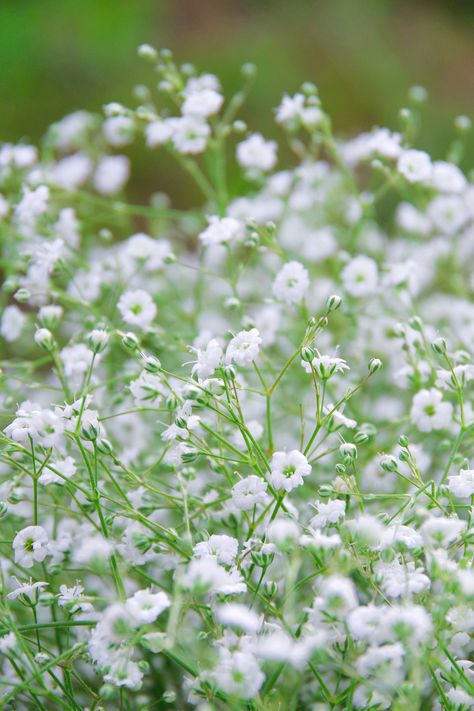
(237,440)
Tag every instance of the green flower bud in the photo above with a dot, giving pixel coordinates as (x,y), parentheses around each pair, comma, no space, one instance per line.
(45,340)
(333,302)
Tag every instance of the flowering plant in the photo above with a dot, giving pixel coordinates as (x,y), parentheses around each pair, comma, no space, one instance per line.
(234,458)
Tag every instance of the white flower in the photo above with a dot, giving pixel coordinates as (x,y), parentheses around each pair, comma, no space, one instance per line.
(415,166)
(12,323)
(288,470)
(147,388)
(238,674)
(76,361)
(118,130)
(290,108)
(137,308)
(441,531)
(72,599)
(223,548)
(234,614)
(7,642)
(124,672)
(257,153)
(291,283)
(220,229)
(462,485)
(189,134)
(71,172)
(331,512)
(282,531)
(244,347)
(30,545)
(66,467)
(447,177)
(448,213)
(206,573)
(111,174)
(429,412)
(325,366)
(208,359)
(26,588)
(202,103)
(141,250)
(158,132)
(360,276)
(249,492)
(146,606)
(399,579)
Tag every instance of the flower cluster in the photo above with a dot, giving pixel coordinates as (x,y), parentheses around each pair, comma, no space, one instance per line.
(235,440)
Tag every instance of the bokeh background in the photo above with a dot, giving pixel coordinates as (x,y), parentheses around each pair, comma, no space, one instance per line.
(60,55)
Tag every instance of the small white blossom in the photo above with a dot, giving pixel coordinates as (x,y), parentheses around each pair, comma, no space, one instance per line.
(255,153)
(137,308)
(288,470)
(291,283)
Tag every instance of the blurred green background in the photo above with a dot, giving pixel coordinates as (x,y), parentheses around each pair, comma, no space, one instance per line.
(60,55)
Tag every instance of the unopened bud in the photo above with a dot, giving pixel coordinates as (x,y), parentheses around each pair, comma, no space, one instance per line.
(374,365)
(130,341)
(97,340)
(151,364)
(44,339)
(333,302)
(307,354)
(22,295)
(348,452)
(439,346)
(50,316)
(146,51)
(388,463)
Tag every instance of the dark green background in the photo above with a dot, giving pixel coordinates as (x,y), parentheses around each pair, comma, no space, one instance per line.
(56,57)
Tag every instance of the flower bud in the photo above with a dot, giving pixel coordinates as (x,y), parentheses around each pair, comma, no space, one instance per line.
(348,452)
(50,316)
(403,441)
(44,339)
(416,323)
(333,302)
(151,364)
(307,354)
(105,235)
(108,691)
(340,468)
(146,51)
(46,599)
(270,589)
(361,437)
(104,446)
(169,697)
(374,365)
(249,69)
(97,340)
(189,457)
(463,124)
(22,295)
(41,658)
(229,372)
(3,509)
(130,341)
(232,304)
(89,431)
(439,346)
(388,463)
(239,126)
